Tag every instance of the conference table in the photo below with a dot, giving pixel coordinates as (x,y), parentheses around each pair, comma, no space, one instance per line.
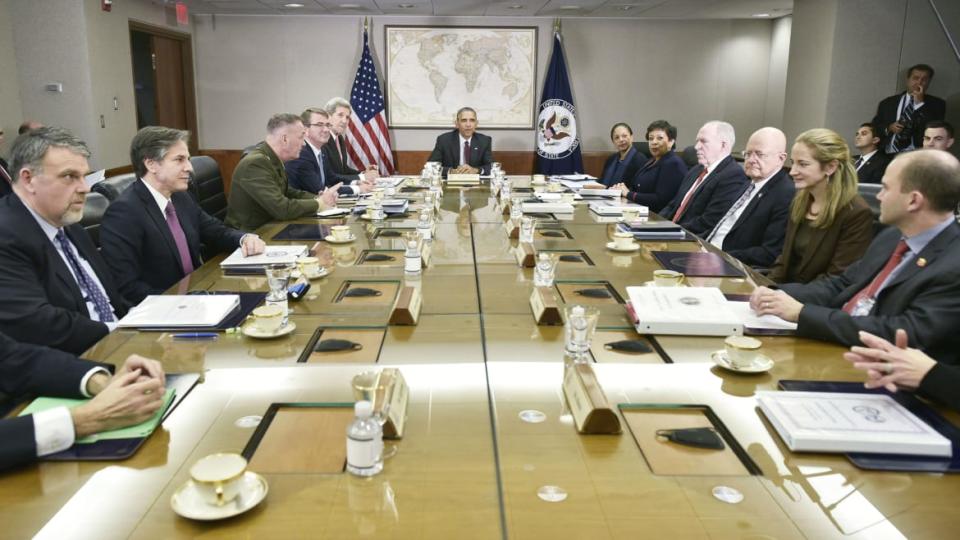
(490,449)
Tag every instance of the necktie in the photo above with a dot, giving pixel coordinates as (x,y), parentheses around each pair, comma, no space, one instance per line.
(858,163)
(871,290)
(689,195)
(902,140)
(466,153)
(87,286)
(323,179)
(343,158)
(186,262)
(733,210)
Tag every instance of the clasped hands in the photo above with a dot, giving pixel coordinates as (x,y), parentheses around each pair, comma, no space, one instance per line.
(463,169)
(131,396)
(890,365)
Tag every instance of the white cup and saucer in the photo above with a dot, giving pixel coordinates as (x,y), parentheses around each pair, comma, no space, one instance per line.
(623,241)
(666,278)
(267,322)
(310,268)
(539,180)
(340,234)
(220,486)
(742,354)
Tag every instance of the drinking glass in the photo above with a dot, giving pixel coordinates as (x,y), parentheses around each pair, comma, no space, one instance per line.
(526,229)
(545,270)
(278,277)
(580,323)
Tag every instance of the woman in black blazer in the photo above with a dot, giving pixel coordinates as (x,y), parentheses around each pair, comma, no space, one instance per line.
(624,163)
(657,181)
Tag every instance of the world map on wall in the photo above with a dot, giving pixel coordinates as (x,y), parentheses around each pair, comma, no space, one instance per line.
(433,72)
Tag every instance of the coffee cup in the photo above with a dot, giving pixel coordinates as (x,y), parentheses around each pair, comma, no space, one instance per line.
(742,351)
(630,214)
(267,319)
(555,187)
(309,266)
(667,278)
(341,233)
(218,477)
(539,179)
(623,240)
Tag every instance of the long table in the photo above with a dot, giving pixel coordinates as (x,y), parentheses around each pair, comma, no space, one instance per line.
(468,465)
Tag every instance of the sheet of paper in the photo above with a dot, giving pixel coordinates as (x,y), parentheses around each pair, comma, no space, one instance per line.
(752,320)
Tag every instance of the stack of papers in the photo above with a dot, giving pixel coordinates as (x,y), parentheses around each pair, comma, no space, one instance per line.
(605,193)
(612,208)
(390,181)
(176,311)
(331,212)
(654,230)
(390,206)
(547,207)
(271,255)
(575,177)
(838,422)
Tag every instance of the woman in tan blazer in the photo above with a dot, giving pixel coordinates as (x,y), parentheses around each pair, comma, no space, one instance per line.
(830,224)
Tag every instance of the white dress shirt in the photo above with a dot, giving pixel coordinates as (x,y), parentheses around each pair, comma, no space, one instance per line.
(318,155)
(904,99)
(726,224)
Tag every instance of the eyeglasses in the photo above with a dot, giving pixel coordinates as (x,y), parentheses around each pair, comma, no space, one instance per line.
(759,155)
(319,124)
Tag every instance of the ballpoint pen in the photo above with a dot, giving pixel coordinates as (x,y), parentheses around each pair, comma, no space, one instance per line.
(196,335)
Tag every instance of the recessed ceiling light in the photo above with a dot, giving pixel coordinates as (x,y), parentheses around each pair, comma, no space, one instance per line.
(570,8)
(760,15)
(515,6)
(350,6)
(293,5)
(627,7)
(406,6)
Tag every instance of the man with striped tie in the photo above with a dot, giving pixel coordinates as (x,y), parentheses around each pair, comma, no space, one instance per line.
(56,288)
(903,116)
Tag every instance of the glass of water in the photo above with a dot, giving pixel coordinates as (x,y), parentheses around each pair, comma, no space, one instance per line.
(516,208)
(545,270)
(526,229)
(580,323)
(278,277)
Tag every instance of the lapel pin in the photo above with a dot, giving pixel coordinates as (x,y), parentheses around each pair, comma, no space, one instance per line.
(921,262)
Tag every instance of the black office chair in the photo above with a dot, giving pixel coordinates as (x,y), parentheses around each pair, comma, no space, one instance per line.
(206,186)
(93,210)
(112,187)
(689,156)
(869,194)
(643,147)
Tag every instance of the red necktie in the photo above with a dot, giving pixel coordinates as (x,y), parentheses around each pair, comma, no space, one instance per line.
(870,291)
(466,152)
(689,195)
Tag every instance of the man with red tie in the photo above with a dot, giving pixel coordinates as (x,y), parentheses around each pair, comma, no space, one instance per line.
(463,150)
(909,277)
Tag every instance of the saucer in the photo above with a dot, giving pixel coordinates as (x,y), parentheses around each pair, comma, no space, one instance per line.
(250,331)
(297,273)
(188,502)
(652,283)
(760,364)
(329,238)
(612,246)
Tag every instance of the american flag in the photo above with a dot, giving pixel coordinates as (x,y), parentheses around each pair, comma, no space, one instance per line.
(368,141)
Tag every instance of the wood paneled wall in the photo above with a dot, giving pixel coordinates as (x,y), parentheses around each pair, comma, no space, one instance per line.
(411,161)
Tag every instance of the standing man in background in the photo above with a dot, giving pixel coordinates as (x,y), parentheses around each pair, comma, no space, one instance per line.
(903,116)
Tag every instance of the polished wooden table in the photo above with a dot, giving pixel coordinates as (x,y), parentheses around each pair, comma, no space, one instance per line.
(468,466)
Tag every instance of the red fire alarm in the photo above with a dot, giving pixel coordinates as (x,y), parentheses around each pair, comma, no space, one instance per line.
(183,18)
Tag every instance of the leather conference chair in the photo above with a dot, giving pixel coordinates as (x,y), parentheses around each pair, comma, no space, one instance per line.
(206,186)
(643,147)
(689,156)
(112,187)
(93,209)
(869,194)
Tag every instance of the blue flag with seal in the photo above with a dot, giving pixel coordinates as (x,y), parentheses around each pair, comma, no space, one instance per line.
(558,139)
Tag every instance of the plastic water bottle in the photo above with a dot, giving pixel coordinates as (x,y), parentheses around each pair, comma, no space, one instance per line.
(411,259)
(364,442)
(425,226)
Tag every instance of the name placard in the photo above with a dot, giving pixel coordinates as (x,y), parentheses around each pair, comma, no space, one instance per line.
(545,306)
(454,179)
(406,310)
(394,402)
(591,411)
(526,256)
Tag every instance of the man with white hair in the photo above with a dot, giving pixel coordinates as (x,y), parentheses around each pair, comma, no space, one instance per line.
(340,110)
(57,290)
(753,228)
(260,192)
(710,188)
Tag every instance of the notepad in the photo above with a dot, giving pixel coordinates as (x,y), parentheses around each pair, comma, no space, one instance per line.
(137,431)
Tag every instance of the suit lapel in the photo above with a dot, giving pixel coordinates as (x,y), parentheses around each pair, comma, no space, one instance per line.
(159,220)
(928,254)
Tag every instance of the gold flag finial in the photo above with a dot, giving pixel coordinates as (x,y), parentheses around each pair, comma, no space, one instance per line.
(556,25)
(366,24)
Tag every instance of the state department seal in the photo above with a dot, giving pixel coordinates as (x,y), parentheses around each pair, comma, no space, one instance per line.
(557,129)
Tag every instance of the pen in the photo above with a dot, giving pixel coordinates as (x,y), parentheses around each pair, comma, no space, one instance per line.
(196,335)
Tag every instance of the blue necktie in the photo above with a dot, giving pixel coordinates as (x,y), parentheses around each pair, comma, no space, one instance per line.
(87,285)
(323,179)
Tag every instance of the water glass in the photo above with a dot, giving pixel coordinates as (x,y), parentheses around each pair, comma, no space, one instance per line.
(545,270)
(526,229)
(278,277)
(516,208)
(580,323)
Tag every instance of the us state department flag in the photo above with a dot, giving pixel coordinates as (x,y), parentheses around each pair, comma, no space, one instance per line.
(558,139)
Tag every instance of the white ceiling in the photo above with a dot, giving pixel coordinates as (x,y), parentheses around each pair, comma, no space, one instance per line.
(654,9)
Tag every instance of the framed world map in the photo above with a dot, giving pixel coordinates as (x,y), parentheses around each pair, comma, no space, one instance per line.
(433,71)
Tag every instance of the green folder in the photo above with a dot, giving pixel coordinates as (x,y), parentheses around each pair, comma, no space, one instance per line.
(137,431)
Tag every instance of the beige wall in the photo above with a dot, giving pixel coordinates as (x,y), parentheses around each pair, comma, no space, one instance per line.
(88,50)
(11,112)
(688,72)
(777,77)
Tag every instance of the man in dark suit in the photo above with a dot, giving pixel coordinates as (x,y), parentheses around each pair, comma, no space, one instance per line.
(903,116)
(872,161)
(709,189)
(909,277)
(56,289)
(463,150)
(938,135)
(130,397)
(753,228)
(312,171)
(340,111)
(6,181)
(151,235)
